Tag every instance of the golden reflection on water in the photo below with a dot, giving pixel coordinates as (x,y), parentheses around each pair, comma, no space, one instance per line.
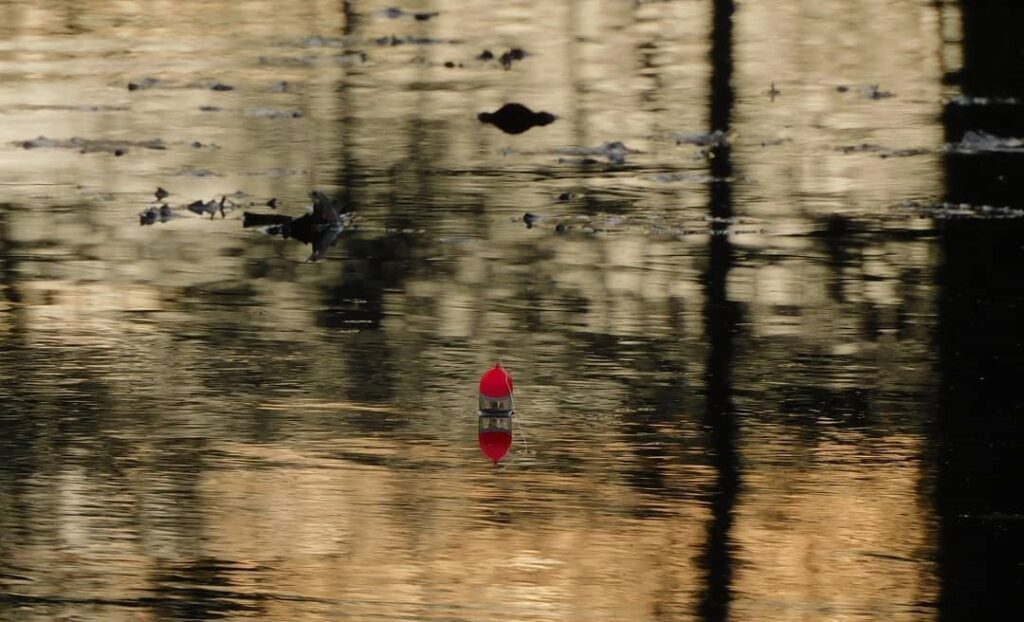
(209,412)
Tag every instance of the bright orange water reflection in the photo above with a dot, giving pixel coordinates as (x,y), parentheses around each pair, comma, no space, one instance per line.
(198,425)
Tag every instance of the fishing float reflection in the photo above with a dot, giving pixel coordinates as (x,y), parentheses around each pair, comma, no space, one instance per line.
(495,434)
(497,408)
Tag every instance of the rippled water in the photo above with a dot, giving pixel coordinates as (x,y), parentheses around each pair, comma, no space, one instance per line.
(765,374)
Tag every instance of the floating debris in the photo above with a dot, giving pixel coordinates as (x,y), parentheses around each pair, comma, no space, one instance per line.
(86,145)
(392,40)
(951,211)
(486,55)
(196,172)
(516,118)
(615,152)
(883,152)
(220,86)
(161,194)
(73,108)
(566,196)
(772,92)
(717,138)
(324,42)
(273,113)
(530,219)
(208,207)
(688,177)
(320,227)
(145,83)
(972,100)
(842,88)
(977,141)
(512,55)
(210,109)
(272,203)
(155,214)
(874,92)
(396,13)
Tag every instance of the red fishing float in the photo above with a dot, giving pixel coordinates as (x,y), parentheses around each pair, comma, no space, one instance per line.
(496,409)
(496,390)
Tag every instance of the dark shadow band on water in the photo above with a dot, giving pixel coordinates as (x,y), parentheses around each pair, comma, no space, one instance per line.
(978,454)
(720,321)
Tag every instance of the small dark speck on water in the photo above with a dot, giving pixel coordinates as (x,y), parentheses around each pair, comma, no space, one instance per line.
(144,83)
(219,86)
(486,55)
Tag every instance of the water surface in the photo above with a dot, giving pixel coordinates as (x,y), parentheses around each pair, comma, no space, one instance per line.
(760,374)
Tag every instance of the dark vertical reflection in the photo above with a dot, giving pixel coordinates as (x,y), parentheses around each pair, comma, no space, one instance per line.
(720,319)
(980,422)
(348,119)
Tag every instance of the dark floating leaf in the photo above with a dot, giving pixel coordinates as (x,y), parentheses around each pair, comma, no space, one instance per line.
(486,55)
(161,194)
(516,118)
(219,86)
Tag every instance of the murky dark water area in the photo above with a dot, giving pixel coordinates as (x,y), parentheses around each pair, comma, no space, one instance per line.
(757,269)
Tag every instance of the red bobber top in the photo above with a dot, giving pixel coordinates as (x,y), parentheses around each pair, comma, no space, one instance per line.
(496,382)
